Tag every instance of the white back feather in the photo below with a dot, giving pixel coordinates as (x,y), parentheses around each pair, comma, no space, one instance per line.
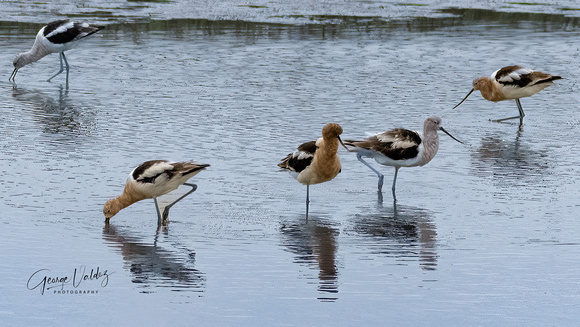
(61,29)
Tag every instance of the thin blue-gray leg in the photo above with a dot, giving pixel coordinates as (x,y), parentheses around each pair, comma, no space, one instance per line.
(159,216)
(67,68)
(381,176)
(394,183)
(61,56)
(307,198)
(162,217)
(521,116)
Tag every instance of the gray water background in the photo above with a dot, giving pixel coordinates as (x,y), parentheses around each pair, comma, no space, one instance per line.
(485,234)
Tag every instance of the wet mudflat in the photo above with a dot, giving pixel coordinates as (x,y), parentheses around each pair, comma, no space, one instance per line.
(485,234)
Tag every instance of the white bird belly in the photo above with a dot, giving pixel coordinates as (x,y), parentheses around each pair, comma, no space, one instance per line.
(160,187)
(516,92)
(386,161)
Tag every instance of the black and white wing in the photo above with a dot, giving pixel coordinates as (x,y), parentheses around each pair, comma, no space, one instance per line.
(301,158)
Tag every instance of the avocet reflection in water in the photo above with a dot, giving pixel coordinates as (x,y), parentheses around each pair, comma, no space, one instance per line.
(314,243)
(405,233)
(158,263)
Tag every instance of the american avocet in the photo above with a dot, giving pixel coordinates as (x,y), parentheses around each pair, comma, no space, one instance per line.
(316,161)
(56,37)
(151,180)
(511,82)
(400,148)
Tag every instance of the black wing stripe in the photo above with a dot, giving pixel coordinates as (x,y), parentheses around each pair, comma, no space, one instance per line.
(153,178)
(71,34)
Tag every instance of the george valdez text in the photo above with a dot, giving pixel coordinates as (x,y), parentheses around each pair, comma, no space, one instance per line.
(44,281)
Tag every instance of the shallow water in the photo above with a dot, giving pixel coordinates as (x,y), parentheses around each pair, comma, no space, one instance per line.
(485,234)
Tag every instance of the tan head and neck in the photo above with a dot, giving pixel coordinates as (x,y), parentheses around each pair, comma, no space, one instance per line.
(330,139)
(326,163)
(129,196)
(488,90)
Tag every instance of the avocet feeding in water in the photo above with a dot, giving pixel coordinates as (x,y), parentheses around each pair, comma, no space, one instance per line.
(56,37)
(400,148)
(511,82)
(151,180)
